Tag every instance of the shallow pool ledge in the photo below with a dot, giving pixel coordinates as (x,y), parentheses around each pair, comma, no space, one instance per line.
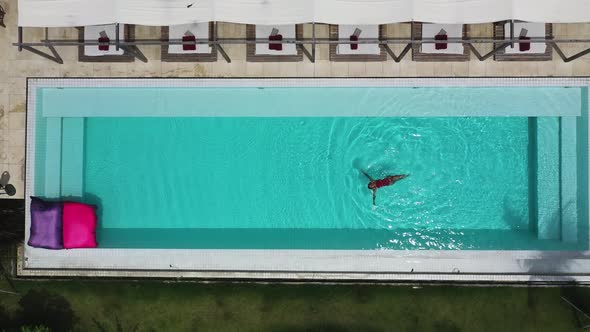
(309,101)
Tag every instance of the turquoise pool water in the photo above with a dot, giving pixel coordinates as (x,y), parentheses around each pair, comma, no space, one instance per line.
(296,183)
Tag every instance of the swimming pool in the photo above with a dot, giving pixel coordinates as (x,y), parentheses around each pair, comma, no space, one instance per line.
(259,167)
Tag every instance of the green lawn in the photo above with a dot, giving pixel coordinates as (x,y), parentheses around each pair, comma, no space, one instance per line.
(161,306)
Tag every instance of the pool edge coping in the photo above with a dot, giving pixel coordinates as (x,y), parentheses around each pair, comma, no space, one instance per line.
(23,270)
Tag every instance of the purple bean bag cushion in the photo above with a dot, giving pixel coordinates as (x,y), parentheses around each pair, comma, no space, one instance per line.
(46,224)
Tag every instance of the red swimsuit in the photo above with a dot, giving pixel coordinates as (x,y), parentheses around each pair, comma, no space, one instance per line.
(383,182)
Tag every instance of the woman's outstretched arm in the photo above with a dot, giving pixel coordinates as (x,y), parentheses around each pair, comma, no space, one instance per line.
(367,175)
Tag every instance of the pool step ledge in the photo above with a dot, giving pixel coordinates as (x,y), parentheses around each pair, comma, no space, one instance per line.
(52,187)
(548,178)
(72,155)
(569,179)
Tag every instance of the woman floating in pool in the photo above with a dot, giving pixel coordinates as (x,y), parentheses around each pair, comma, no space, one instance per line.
(386,181)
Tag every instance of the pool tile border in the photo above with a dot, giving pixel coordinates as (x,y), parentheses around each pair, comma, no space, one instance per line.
(382,265)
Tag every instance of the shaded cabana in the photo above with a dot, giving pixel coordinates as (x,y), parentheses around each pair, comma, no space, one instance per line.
(274,51)
(524,50)
(103,52)
(167,13)
(189,52)
(440,51)
(353,51)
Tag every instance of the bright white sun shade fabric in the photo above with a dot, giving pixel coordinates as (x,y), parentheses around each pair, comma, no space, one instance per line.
(461,11)
(551,11)
(264,12)
(162,12)
(353,12)
(63,13)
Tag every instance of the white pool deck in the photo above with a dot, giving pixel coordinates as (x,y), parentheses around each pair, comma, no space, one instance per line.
(389,265)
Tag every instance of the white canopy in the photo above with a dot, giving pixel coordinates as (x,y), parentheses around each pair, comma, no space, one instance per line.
(65,13)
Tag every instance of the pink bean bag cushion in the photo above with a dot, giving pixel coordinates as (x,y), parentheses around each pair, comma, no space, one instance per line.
(79,225)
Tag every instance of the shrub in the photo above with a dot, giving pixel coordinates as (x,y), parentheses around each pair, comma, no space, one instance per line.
(38,328)
(42,308)
(5,322)
(118,326)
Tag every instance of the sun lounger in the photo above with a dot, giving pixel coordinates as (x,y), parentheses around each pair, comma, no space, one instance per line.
(440,51)
(524,51)
(357,51)
(188,52)
(274,52)
(104,52)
